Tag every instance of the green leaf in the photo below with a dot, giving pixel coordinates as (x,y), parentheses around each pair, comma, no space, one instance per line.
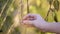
(55,17)
(56,5)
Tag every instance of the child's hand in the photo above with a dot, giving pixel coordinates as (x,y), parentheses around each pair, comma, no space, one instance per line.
(38,22)
(34,20)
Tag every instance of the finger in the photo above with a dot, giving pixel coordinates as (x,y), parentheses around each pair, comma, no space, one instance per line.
(27,22)
(30,19)
(29,16)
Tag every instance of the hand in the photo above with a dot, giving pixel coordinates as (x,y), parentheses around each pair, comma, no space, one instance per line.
(37,21)
(34,20)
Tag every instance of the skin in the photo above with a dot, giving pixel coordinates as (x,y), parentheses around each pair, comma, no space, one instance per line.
(38,22)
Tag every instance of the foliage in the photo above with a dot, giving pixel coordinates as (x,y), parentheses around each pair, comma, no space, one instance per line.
(48,9)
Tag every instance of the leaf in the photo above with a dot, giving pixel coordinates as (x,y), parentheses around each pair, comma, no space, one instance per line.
(55,18)
(56,5)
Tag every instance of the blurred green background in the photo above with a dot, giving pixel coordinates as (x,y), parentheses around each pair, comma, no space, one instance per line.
(12,12)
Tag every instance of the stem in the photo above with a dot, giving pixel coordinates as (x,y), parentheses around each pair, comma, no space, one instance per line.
(27,7)
(22,26)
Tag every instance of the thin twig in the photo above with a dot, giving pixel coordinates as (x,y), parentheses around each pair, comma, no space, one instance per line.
(27,7)
(6,15)
(4,7)
(22,6)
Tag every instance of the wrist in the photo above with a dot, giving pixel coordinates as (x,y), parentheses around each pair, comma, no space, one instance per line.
(42,26)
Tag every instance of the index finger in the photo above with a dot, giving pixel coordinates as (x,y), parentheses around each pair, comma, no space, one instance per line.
(28,16)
